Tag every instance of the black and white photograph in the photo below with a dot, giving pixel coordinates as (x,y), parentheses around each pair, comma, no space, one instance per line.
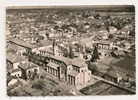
(82,50)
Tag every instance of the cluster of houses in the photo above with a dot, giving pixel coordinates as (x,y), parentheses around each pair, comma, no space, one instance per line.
(22,69)
(51,57)
(73,71)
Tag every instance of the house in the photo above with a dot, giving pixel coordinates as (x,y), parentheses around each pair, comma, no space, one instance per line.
(104,48)
(47,48)
(112,30)
(24,69)
(29,70)
(103,45)
(13,60)
(16,73)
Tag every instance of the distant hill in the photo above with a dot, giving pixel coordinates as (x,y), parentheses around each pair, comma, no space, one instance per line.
(99,8)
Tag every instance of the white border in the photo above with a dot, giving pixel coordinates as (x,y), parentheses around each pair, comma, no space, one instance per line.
(5,3)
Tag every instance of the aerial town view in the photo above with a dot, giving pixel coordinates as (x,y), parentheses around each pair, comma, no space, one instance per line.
(70,50)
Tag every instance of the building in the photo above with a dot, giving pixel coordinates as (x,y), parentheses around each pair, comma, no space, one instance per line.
(78,73)
(53,69)
(104,48)
(29,70)
(25,70)
(102,45)
(13,60)
(9,65)
(47,48)
(73,71)
(16,73)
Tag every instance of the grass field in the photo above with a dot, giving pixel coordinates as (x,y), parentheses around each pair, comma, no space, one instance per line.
(127,64)
(101,88)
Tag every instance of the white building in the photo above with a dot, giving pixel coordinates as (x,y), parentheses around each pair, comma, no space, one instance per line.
(16,73)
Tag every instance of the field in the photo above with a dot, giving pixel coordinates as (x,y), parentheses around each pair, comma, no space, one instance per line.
(101,88)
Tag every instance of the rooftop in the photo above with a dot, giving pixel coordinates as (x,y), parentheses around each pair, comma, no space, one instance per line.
(45,43)
(104,42)
(68,61)
(53,65)
(14,58)
(73,73)
(16,70)
(27,65)
(78,62)
(29,45)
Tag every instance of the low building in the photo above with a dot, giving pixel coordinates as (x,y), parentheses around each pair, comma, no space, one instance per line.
(104,48)
(13,60)
(16,73)
(46,48)
(29,70)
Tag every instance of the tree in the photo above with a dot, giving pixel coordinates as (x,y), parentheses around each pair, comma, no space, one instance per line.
(97,16)
(53,45)
(107,24)
(71,55)
(110,36)
(47,35)
(95,55)
(66,53)
(92,67)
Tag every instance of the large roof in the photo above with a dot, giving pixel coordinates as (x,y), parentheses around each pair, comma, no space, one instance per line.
(27,65)
(14,58)
(68,61)
(30,45)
